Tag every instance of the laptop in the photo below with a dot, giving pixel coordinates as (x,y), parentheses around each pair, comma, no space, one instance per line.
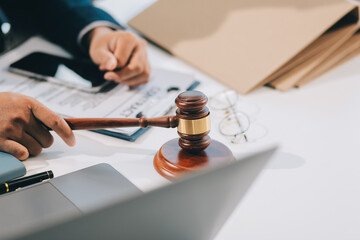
(193,207)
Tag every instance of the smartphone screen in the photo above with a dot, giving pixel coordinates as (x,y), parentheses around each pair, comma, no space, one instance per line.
(81,72)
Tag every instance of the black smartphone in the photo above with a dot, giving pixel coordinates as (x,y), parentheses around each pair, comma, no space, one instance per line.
(81,74)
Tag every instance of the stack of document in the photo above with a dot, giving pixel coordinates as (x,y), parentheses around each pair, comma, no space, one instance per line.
(150,100)
(250,43)
(60,94)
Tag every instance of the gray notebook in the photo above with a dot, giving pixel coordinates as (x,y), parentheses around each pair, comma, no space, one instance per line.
(10,167)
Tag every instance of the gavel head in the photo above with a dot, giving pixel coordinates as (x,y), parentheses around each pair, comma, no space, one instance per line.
(193,121)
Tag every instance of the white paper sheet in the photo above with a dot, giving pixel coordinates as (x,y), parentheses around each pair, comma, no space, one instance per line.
(152,99)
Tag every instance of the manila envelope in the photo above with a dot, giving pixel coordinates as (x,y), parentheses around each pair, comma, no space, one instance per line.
(338,33)
(240,43)
(347,51)
(301,71)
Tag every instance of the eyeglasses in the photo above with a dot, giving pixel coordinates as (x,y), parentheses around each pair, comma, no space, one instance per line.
(239,120)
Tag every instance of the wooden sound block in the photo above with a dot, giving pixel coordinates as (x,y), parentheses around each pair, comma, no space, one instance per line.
(171,161)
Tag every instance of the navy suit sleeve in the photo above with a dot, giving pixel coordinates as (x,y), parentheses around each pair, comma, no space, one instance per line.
(62,20)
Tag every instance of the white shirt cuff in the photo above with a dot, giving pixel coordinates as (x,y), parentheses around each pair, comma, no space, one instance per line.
(93,25)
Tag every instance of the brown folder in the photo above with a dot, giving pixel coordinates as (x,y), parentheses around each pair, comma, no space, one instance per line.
(241,43)
(321,44)
(347,51)
(306,69)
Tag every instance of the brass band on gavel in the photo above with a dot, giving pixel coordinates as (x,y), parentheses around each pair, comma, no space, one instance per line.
(195,126)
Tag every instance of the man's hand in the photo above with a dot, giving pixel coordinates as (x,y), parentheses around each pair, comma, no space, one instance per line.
(122,54)
(22,130)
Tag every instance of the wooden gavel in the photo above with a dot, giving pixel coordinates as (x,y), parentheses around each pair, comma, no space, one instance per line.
(192,120)
(194,149)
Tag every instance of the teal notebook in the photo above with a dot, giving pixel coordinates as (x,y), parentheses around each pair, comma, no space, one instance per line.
(10,167)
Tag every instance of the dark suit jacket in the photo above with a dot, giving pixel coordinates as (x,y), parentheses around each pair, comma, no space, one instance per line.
(58,20)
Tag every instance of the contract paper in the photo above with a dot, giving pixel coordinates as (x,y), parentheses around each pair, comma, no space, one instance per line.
(150,100)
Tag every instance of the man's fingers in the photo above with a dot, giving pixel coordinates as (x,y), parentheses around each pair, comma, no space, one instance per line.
(34,148)
(124,74)
(39,132)
(15,149)
(127,49)
(138,66)
(105,59)
(115,53)
(132,82)
(54,122)
(113,76)
(123,50)
(135,81)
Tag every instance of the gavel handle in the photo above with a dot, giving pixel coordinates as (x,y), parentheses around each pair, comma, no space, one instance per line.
(102,123)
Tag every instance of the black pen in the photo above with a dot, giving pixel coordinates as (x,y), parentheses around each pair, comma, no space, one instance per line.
(25,181)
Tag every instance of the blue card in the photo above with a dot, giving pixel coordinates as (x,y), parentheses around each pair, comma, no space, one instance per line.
(10,167)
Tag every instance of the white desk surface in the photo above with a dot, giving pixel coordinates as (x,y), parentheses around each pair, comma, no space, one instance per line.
(311,190)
